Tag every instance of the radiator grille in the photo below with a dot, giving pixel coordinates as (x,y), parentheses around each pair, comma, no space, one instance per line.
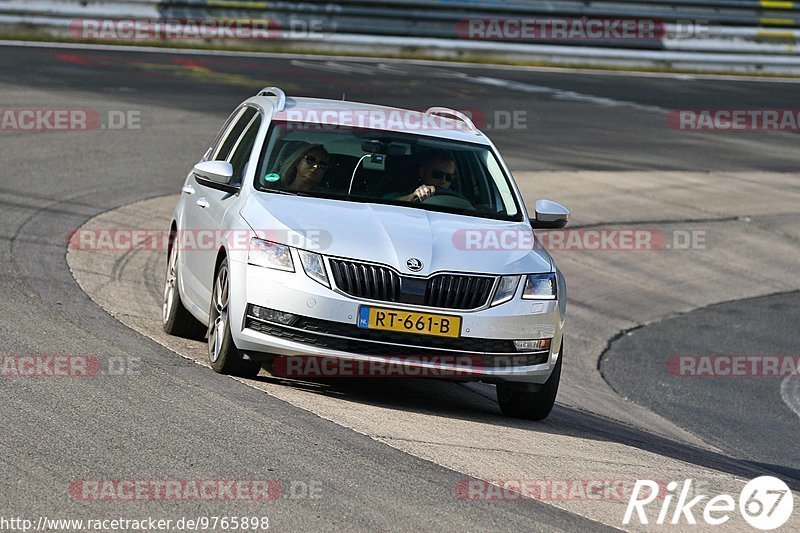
(376,282)
(366,281)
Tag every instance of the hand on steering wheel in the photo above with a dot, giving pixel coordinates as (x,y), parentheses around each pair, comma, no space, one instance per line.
(423,192)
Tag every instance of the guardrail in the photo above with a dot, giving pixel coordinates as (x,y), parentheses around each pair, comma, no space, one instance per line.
(729,34)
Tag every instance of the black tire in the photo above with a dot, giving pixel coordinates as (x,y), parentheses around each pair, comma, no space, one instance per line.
(175,318)
(223,355)
(530,405)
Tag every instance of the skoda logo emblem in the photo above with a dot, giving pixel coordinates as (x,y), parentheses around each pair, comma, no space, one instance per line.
(414,264)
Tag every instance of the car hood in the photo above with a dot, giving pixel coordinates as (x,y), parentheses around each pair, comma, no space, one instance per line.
(392,235)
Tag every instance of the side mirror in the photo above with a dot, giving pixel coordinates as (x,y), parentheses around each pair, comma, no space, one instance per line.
(549,215)
(215,174)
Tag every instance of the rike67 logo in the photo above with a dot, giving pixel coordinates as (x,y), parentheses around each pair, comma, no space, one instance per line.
(765,503)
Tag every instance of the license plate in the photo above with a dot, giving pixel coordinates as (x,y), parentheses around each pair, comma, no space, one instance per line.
(409,322)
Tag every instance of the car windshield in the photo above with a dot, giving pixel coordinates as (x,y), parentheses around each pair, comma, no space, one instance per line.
(377,166)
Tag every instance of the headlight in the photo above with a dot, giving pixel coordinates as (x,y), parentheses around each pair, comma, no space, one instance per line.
(505,289)
(540,287)
(314,267)
(269,254)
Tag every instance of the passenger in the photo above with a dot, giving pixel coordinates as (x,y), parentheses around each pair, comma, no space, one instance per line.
(437,169)
(304,170)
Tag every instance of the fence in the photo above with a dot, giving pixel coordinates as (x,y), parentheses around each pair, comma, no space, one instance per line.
(700,34)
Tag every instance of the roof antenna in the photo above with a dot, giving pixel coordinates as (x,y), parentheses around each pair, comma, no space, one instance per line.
(342,97)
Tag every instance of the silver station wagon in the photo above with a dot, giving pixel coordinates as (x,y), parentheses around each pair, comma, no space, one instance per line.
(328,238)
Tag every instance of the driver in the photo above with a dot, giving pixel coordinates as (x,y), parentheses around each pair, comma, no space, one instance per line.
(305,168)
(437,170)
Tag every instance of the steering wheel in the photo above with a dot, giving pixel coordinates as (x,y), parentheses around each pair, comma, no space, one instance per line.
(448,198)
(445,192)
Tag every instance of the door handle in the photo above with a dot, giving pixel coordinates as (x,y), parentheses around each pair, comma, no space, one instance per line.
(188,189)
(202,202)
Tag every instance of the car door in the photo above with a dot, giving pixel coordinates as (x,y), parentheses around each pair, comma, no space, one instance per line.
(205,210)
(211,213)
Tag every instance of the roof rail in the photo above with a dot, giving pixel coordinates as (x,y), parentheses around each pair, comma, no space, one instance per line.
(278,93)
(452,113)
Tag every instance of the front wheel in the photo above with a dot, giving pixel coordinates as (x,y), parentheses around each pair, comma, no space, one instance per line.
(531,405)
(175,319)
(223,355)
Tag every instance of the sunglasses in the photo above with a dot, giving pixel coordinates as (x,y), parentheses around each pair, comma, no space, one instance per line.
(439,175)
(312,161)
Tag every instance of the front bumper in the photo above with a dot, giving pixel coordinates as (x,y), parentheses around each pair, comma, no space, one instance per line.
(328,328)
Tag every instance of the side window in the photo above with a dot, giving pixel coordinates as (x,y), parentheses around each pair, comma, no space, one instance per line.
(212,152)
(242,151)
(231,136)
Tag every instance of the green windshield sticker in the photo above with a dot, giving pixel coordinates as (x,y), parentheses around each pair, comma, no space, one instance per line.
(272,177)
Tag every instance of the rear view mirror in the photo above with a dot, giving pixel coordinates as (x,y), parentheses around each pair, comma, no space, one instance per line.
(375,146)
(549,215)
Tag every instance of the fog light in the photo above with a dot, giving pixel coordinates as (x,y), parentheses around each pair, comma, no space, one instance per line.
(271,315)
(532,345)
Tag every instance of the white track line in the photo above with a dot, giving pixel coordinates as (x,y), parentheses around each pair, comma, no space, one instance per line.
(790,392)
(432,62)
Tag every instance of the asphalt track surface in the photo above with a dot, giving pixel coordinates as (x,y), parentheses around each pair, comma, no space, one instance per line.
(636,363)
(176,420)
